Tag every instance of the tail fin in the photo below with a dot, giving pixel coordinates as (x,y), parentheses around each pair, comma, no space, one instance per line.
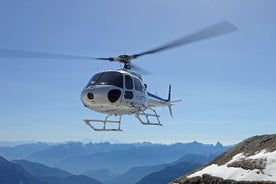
(169,100)
(169,95)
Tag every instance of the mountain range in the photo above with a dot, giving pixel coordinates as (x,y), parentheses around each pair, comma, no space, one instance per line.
(13,174)
(253,161)
(16,173)
(108,163)
(22,151)
(78,158)
(159,173)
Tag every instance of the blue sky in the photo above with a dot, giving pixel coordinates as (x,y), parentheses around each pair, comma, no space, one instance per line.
(227,84)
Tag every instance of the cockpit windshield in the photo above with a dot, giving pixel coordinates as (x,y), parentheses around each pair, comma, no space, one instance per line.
(107,78)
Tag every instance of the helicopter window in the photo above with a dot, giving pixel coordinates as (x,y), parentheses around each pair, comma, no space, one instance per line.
(128,82)
(137,84)
(94,78)
(128,94)
(107,78)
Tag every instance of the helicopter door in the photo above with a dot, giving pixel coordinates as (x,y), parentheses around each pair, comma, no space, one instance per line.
(139,92)
(128,87)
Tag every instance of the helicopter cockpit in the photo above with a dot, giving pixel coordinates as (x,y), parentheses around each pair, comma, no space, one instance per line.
(112,78)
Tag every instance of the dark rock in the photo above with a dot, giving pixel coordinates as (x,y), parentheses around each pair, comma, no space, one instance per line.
(208,179)
(249,164)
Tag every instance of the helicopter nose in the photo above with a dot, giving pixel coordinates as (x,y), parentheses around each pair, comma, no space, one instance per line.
(100,96)
(87,96)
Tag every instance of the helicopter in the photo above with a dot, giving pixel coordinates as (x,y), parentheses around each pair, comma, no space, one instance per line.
(120,92)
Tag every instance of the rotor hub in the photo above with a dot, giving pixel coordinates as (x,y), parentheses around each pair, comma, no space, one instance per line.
(126,59)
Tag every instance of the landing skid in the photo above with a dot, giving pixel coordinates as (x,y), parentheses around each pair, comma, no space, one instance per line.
(91,123)
(145,118)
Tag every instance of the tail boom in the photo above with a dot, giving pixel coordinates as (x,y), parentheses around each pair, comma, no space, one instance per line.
(156,101)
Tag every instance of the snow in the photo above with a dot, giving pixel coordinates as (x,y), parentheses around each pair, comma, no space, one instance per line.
(239,174)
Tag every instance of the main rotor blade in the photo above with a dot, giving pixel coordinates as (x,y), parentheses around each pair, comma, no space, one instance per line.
(13,53)
(213,31)
(106,59)
(140,70)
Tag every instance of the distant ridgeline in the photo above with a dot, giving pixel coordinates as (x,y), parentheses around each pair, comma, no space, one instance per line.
(253,161)
(104,162)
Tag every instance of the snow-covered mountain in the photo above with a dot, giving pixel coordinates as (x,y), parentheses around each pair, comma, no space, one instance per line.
(252,160)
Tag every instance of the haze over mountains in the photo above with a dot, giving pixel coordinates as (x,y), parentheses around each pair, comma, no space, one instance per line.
(109,163)
(253,161)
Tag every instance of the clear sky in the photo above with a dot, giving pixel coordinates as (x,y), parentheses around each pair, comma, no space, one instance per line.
(227,84)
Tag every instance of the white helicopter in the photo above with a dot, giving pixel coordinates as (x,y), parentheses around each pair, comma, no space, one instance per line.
(123,92)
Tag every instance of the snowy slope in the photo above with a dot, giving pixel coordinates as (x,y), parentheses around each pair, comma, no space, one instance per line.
(251,161)
(264,168)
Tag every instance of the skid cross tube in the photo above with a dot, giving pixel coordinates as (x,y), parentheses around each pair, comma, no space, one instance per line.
(147,115)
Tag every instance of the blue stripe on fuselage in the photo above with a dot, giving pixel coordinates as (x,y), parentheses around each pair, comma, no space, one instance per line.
(157,97)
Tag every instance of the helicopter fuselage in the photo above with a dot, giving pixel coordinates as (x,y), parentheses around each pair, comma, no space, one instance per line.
(115,92)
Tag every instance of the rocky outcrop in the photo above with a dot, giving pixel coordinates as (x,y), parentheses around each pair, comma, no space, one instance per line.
(243,156)
(249,147)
